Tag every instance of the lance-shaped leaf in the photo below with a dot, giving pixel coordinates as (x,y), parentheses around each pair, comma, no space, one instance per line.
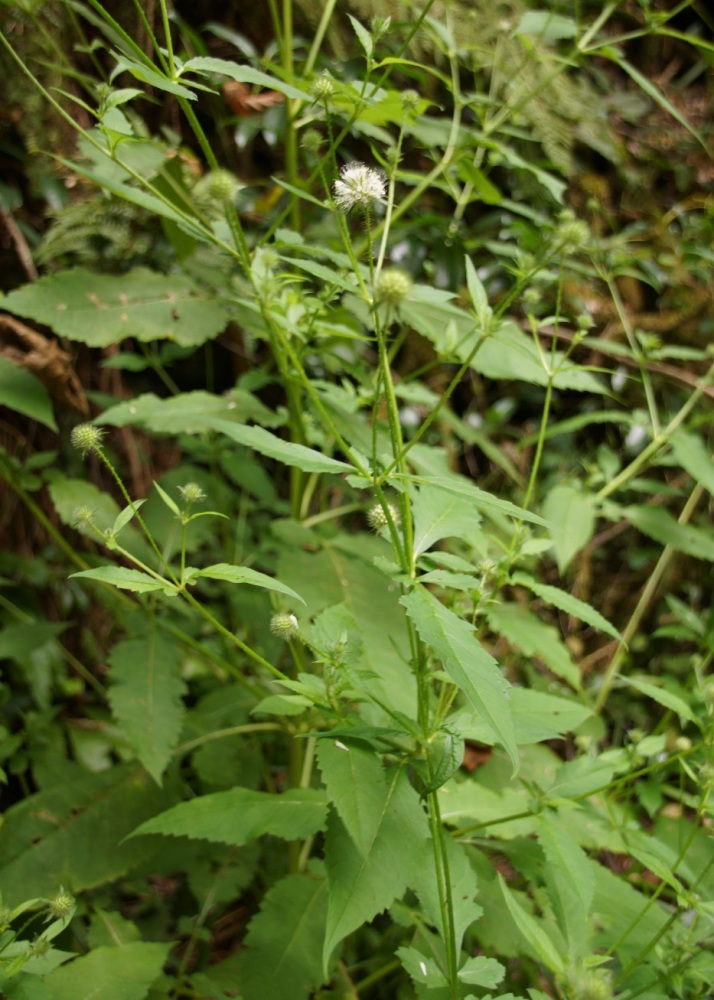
(203,65)
(243,574)
(271,445)
(532,932)
(466,661)
(125,579)
(146,698)
(240,815)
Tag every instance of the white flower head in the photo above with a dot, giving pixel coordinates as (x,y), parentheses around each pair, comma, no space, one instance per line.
(359,186)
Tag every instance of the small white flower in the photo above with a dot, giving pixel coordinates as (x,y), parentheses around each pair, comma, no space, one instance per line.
(359,186)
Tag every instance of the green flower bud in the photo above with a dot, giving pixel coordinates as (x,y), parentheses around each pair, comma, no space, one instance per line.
(191,493)
(410,99)
(393,286)
(83,515)
(377,518)
(220,185)
(312,140)
(87,437)
(284,626)
(61,905)
(572,234)
(323,87)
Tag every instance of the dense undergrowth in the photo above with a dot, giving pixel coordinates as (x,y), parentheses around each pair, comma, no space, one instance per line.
(356,615)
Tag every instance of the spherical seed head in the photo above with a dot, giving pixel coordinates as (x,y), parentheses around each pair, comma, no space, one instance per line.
(220,185)
(377,517)
(191,493)
(82,515)
(359,187)
(593,985)
(572,234)
(284,626)
(87,437)
(61,905)
(323,87)
(393,286)
(312,140)
(410,99)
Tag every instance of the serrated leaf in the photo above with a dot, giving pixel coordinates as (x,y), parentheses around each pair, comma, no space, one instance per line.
(124,579)
(524,630)
(187,412)
(481,971)
(22,392)
(571,873)
(437,517)
(532,931)
(365,39)
(242,74)
(356,785)
(51,838)
(271,445)
(283,947)
(423,970)
(662,696)
(363,883)
(657,523)
(480,498)
(694,457)
(146,698)
(479,298)
(464,886)
(104,309)
(572,522)
(243,574)
(240,815)
(537,716)
(468,664)
(116,973)
(568,603)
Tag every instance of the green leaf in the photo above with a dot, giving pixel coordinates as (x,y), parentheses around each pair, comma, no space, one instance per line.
(571,873)
(662,696)
(242,574)
(524,630)
(282,954)
(240,815)
(204,65)
(479,298)
(362,883)
(545,24)
(481,971)
(271,445)
(649,88)
(169,501)
(460,486)
(657,523)
(365,39)
(104,309)
(51,838)
(694,457)
(18,641)
(532,931)
(120,973)
(464,888)
(465,660)
(437,517)
(124,579)
(140,71)
(572,522)
(537,716)
(356,785)
(125,516)
(187,412)
(146,698)
(22,392)
(566,602)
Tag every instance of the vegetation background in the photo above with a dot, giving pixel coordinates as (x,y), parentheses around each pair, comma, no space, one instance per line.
(356,608)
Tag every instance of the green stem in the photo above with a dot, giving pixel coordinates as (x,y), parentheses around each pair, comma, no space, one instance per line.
(645,601)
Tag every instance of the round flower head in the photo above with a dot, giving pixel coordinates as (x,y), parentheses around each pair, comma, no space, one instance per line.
(87,437)
(284,626)
(191,493)
(359,186)
(393,286)
(377,518)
